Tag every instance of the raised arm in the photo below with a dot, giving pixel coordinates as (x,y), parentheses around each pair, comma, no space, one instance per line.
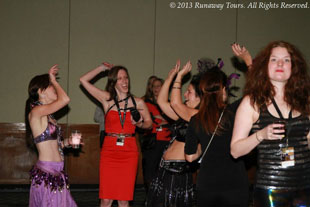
(243,53)
(163,96)
(97,93)
(176,98)
(62,97)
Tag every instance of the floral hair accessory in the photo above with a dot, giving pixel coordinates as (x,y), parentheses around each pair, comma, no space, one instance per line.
(205,64)
(220,63)
(230,77)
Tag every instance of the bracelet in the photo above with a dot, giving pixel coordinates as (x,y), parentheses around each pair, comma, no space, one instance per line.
(176,82)
(176,87)
(259,140)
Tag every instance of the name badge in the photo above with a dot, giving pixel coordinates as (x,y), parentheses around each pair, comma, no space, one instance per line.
(120,140)
(287,157)
(159,129)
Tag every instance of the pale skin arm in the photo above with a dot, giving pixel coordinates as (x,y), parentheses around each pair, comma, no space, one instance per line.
(146,120)
(243,53)
(101,95)
(241,143)
(176,99)
(163,96)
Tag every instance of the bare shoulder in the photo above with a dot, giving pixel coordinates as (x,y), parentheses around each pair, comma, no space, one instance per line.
(247,109)
(35,112)
(138,100)
(245,103)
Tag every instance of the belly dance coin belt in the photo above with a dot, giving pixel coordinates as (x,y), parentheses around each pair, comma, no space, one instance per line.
(175,166)
(51,181)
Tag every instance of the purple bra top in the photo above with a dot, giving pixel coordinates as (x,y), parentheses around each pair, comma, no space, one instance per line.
(51,132)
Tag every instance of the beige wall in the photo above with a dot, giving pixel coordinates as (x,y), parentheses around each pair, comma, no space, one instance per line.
(146,36)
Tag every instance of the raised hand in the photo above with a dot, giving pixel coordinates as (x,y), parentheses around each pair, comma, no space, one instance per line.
(107,66)
(52,72)
(186,69)
(174,70)
(243,53)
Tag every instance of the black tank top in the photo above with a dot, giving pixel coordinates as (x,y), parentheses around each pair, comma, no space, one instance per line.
(178,130)
(270,173)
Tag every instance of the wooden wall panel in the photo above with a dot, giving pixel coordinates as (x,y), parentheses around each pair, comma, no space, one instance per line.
(15,158)
(82,164)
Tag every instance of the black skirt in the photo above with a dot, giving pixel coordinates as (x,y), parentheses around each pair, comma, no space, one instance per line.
(172,186)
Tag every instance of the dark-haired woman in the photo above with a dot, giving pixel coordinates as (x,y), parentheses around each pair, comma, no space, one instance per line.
(119,153)
(173,184)
(274,117)
(159,134)
(49,183)
(222,180)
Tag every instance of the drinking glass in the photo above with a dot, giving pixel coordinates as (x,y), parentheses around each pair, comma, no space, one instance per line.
(76,136)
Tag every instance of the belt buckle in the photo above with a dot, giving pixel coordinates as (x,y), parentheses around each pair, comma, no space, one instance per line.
(161,164)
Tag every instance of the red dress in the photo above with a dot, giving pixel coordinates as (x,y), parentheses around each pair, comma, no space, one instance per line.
(162,134)
(118,164)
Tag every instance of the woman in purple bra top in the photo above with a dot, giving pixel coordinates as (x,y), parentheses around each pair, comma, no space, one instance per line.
(49,183)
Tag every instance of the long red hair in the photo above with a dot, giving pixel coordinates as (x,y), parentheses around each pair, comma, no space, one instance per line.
(212,103)
(297,89)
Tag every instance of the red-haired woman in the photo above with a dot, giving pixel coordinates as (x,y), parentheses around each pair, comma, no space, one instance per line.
(222,180)
(277,89)
(119,153)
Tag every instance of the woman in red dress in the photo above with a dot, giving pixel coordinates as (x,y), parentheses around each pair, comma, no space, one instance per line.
(160,133)
(119,153)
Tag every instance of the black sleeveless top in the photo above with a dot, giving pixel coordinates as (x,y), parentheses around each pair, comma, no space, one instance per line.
(270,173)
(179,130)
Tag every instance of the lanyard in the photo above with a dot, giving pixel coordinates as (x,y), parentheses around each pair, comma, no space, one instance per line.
(119,110)
(279,112)
(281,116)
